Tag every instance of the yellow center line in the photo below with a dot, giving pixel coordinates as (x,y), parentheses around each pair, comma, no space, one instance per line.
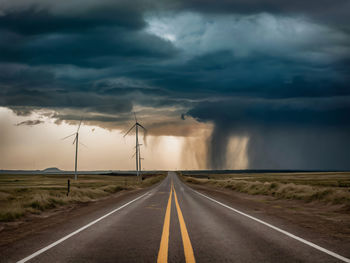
(189,256)
(164,243)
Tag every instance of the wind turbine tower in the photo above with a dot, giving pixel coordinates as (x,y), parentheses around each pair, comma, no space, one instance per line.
(137,125)
(76,142)
(140,168)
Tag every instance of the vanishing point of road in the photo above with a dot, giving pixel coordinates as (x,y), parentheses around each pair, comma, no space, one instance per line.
(169,223)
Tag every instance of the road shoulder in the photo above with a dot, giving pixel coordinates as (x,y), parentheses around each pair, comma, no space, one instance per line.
(320,224)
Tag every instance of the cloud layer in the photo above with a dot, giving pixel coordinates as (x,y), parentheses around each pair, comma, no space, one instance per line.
(275,72)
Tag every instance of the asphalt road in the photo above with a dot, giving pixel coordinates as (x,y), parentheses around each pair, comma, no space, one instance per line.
(169,223)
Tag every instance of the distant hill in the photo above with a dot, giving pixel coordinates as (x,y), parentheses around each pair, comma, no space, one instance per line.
(52,170)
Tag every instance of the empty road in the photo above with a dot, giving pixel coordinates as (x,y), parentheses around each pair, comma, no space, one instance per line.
(168,223)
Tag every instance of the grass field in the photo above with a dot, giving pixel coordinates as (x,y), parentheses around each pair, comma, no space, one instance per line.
(31,194)
(326,187)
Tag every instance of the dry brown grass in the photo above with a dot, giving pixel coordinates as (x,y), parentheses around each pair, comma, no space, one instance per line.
(24,194)
(328,188)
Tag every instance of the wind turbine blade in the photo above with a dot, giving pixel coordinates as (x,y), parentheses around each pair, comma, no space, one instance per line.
(74,140)
(135,117)
(129,130)
(133,155)
(141,126)
(145,131)
(67,136)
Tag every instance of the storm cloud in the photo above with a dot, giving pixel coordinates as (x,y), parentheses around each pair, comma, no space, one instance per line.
(283,133)
(277,73)
(30,122)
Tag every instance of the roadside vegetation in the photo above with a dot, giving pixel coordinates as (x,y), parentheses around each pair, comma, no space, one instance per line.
(326,187)
(21,195)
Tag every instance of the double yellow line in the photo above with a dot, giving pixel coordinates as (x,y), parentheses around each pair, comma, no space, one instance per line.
(164,243)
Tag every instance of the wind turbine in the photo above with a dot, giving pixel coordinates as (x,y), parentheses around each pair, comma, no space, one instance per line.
(137,126)
(76,141)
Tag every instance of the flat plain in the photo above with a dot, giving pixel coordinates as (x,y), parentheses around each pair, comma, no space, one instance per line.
(24,194)
(332,188)
(173,221)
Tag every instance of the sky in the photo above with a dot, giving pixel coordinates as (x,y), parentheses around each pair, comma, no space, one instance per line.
(227,84)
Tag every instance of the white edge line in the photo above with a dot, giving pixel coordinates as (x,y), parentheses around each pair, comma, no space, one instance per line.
(77,231)
(333,254)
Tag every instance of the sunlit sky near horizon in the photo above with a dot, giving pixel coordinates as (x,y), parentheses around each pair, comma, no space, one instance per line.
(41,146)
(218,84)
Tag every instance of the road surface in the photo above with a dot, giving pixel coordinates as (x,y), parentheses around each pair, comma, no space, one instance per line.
(169,223)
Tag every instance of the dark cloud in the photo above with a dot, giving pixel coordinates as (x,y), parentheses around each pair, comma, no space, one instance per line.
(276,72)
(318,112)
(100,48)
(326,11)
(260,76)
(38,21)
(22,110)
(254,6)
(283,134)
(30,122)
